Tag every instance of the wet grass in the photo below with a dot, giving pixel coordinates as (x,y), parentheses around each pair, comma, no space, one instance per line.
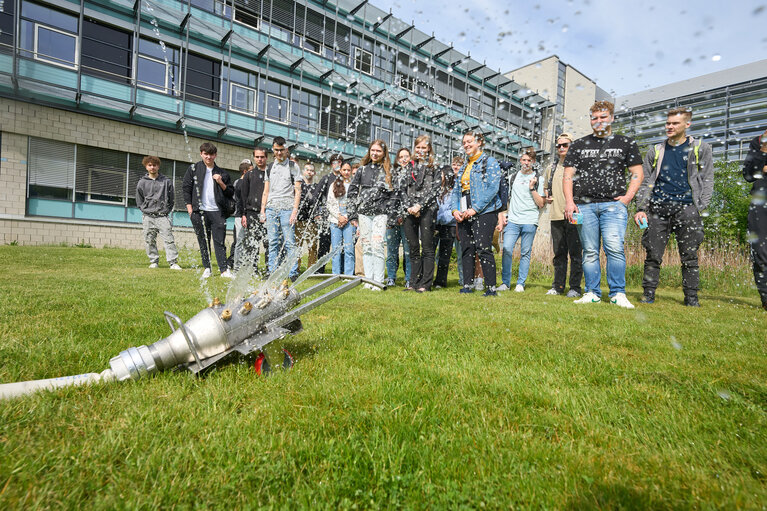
(397,399)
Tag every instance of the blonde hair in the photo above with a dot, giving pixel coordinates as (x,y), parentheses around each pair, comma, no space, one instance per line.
(427,139)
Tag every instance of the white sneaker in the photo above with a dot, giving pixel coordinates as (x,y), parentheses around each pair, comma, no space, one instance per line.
(588,298)
(479,283)
(175,266)
(227,274)
(154,265)
(519,288)
(502,287)
(621,301)
(552,292)
(206,273)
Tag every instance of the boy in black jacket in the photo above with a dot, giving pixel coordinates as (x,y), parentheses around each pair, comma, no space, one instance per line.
(206,188)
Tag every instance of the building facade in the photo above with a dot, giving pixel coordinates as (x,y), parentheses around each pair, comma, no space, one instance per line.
(729,108)
(571,91)
(88,87)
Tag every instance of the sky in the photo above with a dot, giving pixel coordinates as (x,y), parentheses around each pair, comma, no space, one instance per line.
(625,47)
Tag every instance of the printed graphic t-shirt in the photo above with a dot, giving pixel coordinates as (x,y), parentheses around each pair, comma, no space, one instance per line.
(600,166)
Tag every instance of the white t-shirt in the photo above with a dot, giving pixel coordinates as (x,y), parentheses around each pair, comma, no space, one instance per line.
(208,199)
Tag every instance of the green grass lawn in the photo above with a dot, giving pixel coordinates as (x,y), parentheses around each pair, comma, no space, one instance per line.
(396,400)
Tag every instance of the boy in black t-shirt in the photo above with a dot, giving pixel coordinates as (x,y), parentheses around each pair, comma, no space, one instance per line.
(595,187)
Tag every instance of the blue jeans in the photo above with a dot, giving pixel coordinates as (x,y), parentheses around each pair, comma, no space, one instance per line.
(606,221)
(526,234)
(395,235)
(279,232)
(343,235)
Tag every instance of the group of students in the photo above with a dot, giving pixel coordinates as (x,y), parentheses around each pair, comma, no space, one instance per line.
(429,210)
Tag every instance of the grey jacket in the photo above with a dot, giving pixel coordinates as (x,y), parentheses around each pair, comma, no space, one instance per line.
(700,175)
(155,197)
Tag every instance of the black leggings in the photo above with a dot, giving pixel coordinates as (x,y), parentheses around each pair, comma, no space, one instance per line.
(476,236)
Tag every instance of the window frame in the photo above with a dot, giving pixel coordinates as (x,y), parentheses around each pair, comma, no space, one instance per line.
(146,85)
(56,62)
(267,95)
(357,58)
(252,112)
(121,173)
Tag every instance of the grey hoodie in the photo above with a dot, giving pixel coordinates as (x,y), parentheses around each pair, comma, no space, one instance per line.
(155,197)
(700,175)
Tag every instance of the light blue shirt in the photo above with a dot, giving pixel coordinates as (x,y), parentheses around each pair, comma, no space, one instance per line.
(522,208)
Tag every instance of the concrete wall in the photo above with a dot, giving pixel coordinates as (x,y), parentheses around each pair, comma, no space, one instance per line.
(21,120)
(580,94)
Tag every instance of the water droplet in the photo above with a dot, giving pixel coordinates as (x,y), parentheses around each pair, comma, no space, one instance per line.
(716,58)
(565,28)
(723,394)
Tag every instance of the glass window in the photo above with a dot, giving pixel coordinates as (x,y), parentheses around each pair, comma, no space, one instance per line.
(383,134)
(305,110)
(274,100)
(6,25)
(50,17)
(473,107)
(363,61)
(243,99)
(152,73)
(203,79)
(51,169)
(55,46)
(101,175)
(106,52)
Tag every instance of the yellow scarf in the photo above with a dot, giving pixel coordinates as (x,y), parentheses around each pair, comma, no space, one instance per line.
(466,176)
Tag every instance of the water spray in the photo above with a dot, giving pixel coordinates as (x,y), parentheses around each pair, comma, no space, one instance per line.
(245,328)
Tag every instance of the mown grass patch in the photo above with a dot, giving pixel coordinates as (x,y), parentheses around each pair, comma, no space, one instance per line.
(397,399)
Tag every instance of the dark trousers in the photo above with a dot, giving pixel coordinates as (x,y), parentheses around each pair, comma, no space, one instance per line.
(207,224)
(684,221)
(564,237)
(419,231)
(255,238)
(324,244)
(757,228)
(445,241)
(476,235)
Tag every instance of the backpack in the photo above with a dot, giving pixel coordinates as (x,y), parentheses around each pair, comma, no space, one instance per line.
(695,150)
(291,165)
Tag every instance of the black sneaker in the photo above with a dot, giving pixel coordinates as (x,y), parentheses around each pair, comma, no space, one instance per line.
(648,296)
(490,291)
(691,301)
(466,289)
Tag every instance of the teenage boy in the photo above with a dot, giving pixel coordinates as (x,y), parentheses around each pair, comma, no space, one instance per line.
(206,188)
(239,232)
(306,227)
(595,186)
(755,171)
(677,186)
(282,195)
(155,198)
(251,194)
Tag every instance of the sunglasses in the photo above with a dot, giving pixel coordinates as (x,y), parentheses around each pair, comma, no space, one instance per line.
(563,145)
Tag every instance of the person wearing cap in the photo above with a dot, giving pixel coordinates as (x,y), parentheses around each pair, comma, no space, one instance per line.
(239,232)
(564,235)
